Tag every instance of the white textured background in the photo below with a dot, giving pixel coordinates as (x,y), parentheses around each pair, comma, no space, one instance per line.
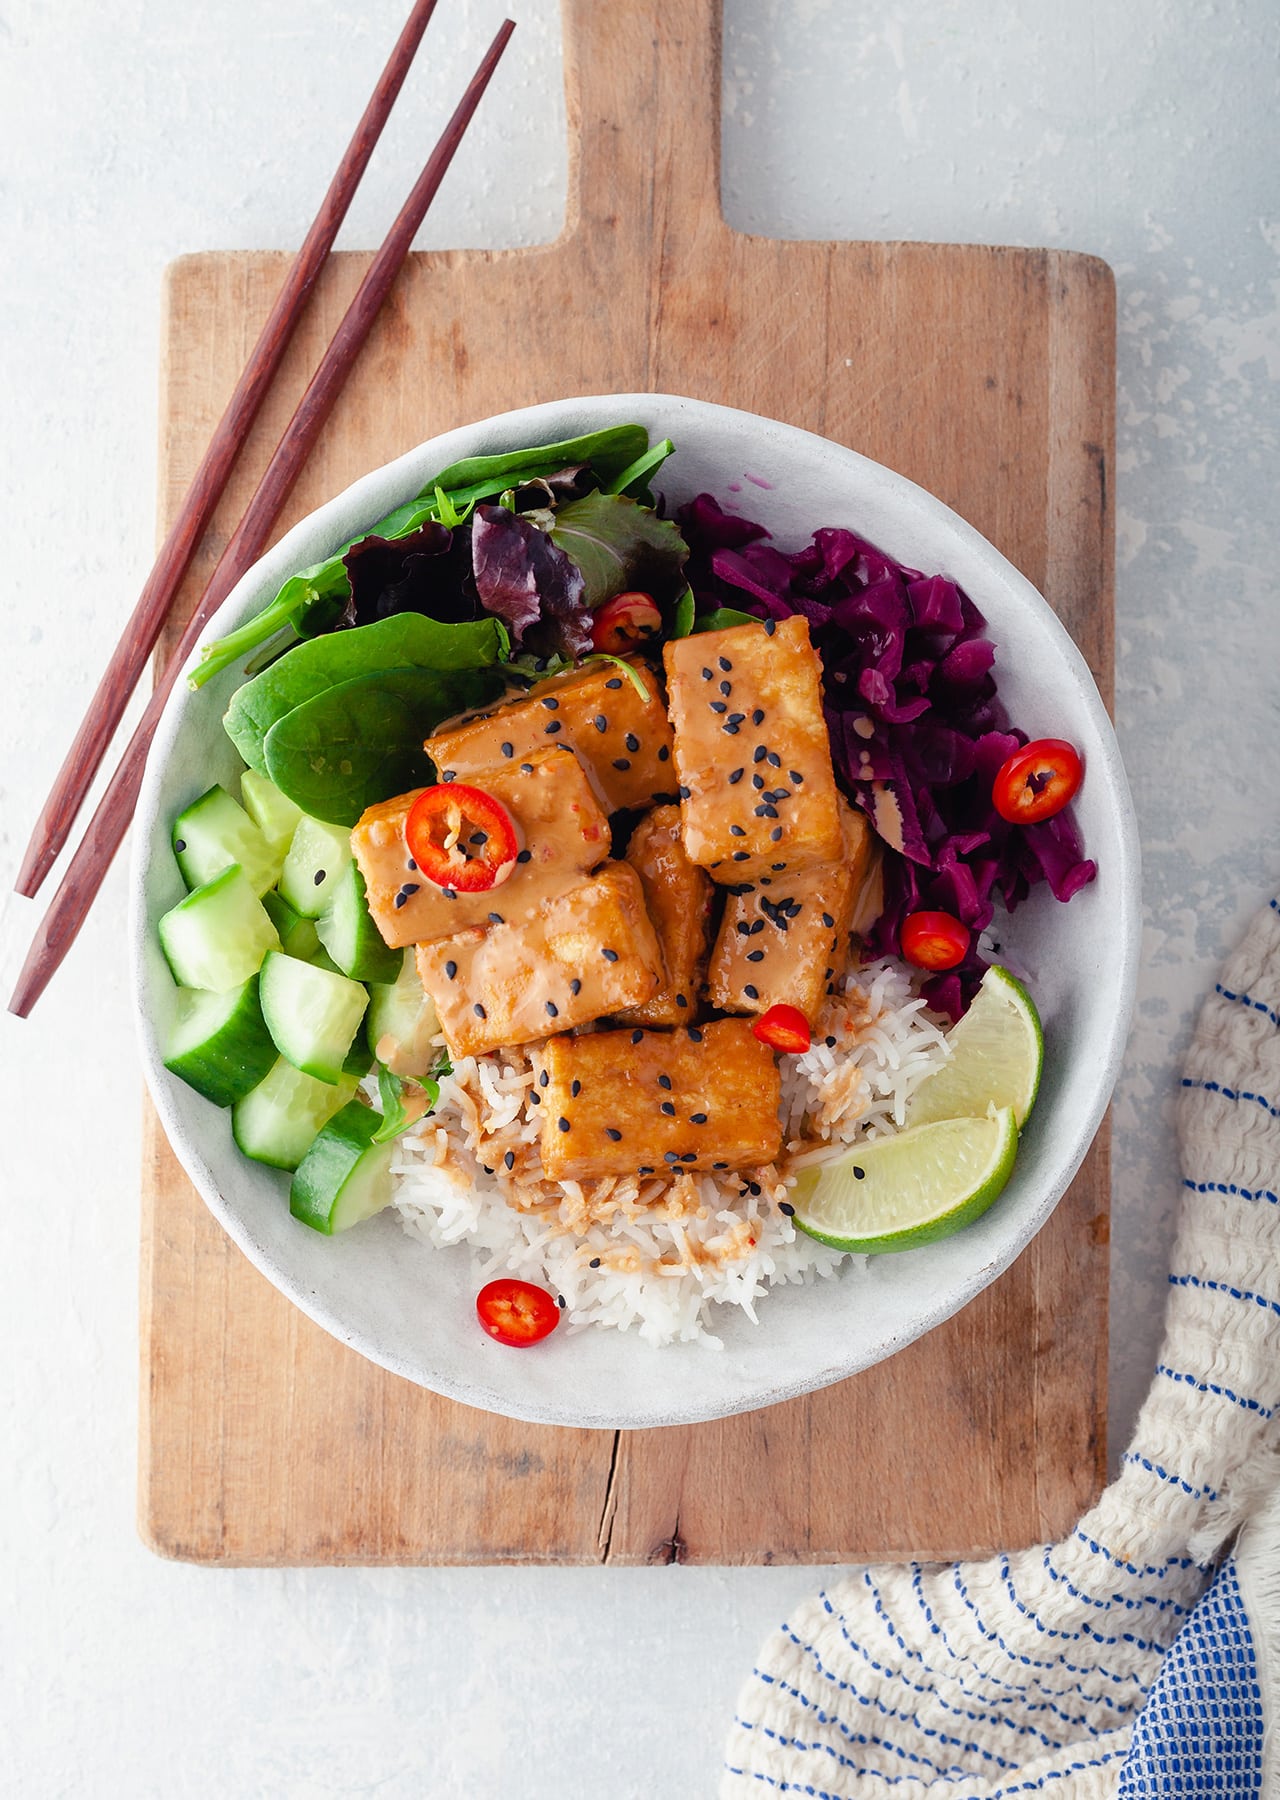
(137,131)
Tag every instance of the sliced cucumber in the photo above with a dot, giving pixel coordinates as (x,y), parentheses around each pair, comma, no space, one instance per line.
(276,818)
(297,935)
(359,1059)
(402,1022)
(214,832)
(217,937)
(312,1015)
(220,1044)
(350,935)
(344,1177)
(318,856)
(277,1120)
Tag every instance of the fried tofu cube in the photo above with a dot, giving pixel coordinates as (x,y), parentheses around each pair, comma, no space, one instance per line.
(622,1102)
(564,832)
(784,943)
(582,954)
(757,791)
(678,897)
(622,739)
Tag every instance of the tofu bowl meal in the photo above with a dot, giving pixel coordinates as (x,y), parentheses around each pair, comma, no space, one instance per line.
(635,913)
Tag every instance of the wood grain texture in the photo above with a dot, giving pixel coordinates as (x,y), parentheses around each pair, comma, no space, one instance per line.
(985,374)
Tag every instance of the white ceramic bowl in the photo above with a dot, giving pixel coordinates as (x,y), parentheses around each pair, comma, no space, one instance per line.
(410,1308)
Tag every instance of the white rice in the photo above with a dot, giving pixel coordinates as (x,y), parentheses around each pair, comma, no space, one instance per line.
(657,1255)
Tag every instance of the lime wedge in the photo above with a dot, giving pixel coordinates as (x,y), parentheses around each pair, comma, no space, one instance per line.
(897,1192)
(997,1050)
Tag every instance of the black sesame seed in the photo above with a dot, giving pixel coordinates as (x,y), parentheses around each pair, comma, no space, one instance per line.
(553,1011)
(755,955)
(526,768)
(495,918)
(750,992)
(736,718)
(594,1263)
(523,856)
(534,1099)
(697,1118)
(859,1174)
(319,876)
(552,728)
(543,1078)
(510,1159)
(670,1156)
(759,753)
(632,741)
(753,1187)
(414,868)
(622,762)
(742,928)
(637,1037)
(777,867)
(479,1011)
(448,774)
(614,1136)
(770,626)
(695,1036)
(575,986)
(796,776)
(684,791)
(726,687)
(451,968)
(645,1168)
(828,921)
(785,1206)
(757,717)
(775,761)
(179,845)
(757,781)
(668,1109)
(486,1168)
(575,1089)
(735,777)
(736,831)
(663,753)
(400,899)
(508,749)
(741,856)
(681,1000)
(550,704)
(706,674)
(725,664)
(730,730)
(560,1300)
(719,1165)
(664,1081)
(719,706)
(563,1123)
(478,838)
(609,955)
(601,723)
(614,681)
(689,1156)
(449,893)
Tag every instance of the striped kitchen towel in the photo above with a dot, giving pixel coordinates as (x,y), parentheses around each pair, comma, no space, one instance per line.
(1137,1658)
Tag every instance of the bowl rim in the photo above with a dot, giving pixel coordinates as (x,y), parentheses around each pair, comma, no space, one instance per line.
(289,554)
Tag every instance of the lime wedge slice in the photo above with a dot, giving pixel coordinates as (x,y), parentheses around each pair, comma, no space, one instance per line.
(997,1050)
(895,1193)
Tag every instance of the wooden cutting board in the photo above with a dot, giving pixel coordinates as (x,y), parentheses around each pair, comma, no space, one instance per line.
(985,374)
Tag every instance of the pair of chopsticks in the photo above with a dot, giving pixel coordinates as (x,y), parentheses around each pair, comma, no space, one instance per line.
(88,867)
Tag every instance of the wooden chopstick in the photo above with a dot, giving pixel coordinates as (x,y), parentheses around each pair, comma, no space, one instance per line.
(88,867)
(129,659)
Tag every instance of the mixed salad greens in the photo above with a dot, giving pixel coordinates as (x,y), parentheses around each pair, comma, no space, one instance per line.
(502,570)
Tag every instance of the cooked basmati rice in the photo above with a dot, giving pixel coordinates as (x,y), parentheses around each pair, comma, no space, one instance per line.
(652,1254)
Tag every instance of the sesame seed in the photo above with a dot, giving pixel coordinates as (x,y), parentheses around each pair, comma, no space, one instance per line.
(448,774)
(759,753)
(486,1168)
(859,1174)
(560,1300)
(575,1090)
(478,838)
(668,1109)
(179,845)
(523,856)
(706,674)
(736,718)
(510,1159)
(495,918)
(775,761)
(695,1036)
(645,1168)
(742,928)
(725,664)
(534,1099)
(614,1136)
(614,681)
(719,706)
(785,1206)
(526,768)
(413,865)
(689,1156)
(563,1123)
(735,777)
(550,704)
(601,723)
(670,1156)
(622,762)
(609,955)
(830,1043)
(755,955)
(757,782)
(681,1000)
(632,741)
(508,749)
(553,1011)
(594,1263)
(697,1118)
(730,730)
(543,1078)
(741,856)
(479,1011)
(777,867)
(776,834)
(664,1081)
(575,986)
(637,1037)
(770,626)
(750,992)
(449,893)
(726,687)
(552,728)
(796,776)
(753,1187)
(663,753)
(320,875)
(719,1165)
(736,831)
(827,920)
(757,717)
(684,791)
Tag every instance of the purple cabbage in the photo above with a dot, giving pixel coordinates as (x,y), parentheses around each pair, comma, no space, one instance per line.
(917,729)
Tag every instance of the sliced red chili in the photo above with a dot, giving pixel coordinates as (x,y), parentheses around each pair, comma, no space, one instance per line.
(516,1312)
(783,1028)
(461,838)
(1037,781)
(624,622)
(934,940)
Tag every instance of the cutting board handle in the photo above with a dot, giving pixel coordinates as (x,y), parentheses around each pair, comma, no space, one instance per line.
(642,92)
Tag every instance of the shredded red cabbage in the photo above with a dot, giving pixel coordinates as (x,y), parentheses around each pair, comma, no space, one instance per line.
(918,731)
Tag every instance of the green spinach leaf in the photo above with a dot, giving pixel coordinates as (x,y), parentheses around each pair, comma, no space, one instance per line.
(722,618)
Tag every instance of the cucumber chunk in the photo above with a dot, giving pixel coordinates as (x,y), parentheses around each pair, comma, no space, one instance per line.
(402,1022)
(344,1177)
(214,832)
(350,935)
(219,1044)
(318,856)
(297,935)
(276,1121)
(276,818)
(313,1016)
(217,937)
(359,1059)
